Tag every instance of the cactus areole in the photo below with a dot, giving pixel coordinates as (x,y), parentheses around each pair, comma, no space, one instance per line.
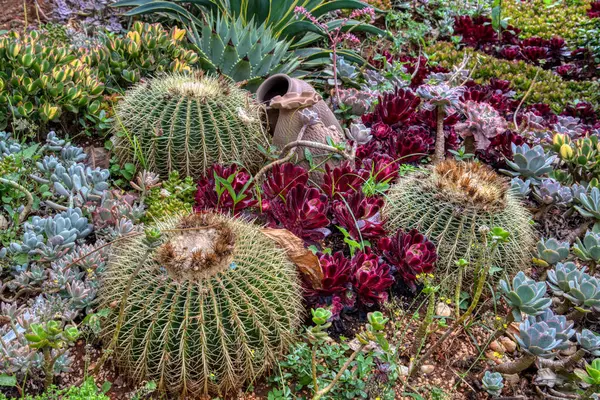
(206,310)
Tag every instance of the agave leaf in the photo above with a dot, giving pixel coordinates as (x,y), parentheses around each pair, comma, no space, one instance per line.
(340,5)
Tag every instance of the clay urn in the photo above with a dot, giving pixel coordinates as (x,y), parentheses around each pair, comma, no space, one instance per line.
(284,97)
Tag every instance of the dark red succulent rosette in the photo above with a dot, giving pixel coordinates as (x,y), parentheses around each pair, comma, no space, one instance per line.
(371,278)
(343,180)
(380,166)
(500,149)
(207,196)
(359,215)
(410,145)
(584,111)
(594,10)
(281,178)
(410,253)
(337,275)
(393,108)
(303,212)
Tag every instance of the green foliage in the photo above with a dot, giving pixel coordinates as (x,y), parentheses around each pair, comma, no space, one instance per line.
(187,123)
(277,15)
(40,80)
(429,202)
(588,35)
(245,52)
(174,196)
(146,50)
(204,320)
(547,18)
(87,391)
(549,88)
(44,80)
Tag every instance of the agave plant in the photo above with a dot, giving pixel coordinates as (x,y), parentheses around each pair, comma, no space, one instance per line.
(246,53)
(560,276)
(493,382)
(275,15)
(589,341)
(525,296)
(551,251)
(530,162)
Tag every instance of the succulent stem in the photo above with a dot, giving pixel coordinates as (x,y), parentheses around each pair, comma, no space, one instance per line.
(440,140)
(27,208)
(564,364)
(516,366)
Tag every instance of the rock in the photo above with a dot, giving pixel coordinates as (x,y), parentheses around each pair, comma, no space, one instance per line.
(508,344)
(427,368)
(97,157)
(512,379)
(3,223)
(443,310)
(493,356)
(497,347)
(403,370)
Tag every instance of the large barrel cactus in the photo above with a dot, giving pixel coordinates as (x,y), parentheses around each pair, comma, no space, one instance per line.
(207,309)
(450,202)
(186,123)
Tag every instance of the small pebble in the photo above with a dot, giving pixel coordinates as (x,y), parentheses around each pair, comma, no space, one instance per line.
(427,369)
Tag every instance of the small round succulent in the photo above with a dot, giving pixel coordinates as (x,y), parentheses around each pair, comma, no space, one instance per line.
(560,276)
(525,296)
(521,188)
(493,382)
(588,249)
(589,341)
(551,251)
(564,328)
(584,292)
(530,162)
(537,338)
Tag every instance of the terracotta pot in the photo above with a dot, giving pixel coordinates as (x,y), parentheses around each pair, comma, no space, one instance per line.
(284,96)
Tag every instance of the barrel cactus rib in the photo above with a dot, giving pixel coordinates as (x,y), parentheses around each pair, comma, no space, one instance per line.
(449,203)
(203,321)
(186,123)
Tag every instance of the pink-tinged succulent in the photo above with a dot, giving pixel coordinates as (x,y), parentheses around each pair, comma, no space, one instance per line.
(410,145)
(337,273)
(303,212)
(212,194)
(410,253)
(371,278)
(510,52)
(343,180)
(381,131)
(594,10)
(534,53)
(282,178)
(500,148)
(500,86)
(359,215)
(543,110)
(381,167)
(394,107)
(483,123)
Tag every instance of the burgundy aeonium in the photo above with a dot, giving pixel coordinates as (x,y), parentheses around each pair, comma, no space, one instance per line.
(371,278)
(343,180)
(411,253)
(282,178)
(303,212)
(213,193)
(359,215)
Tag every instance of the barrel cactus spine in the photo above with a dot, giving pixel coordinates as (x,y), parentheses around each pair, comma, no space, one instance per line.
(188,122)
(449,203)
(210,308)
